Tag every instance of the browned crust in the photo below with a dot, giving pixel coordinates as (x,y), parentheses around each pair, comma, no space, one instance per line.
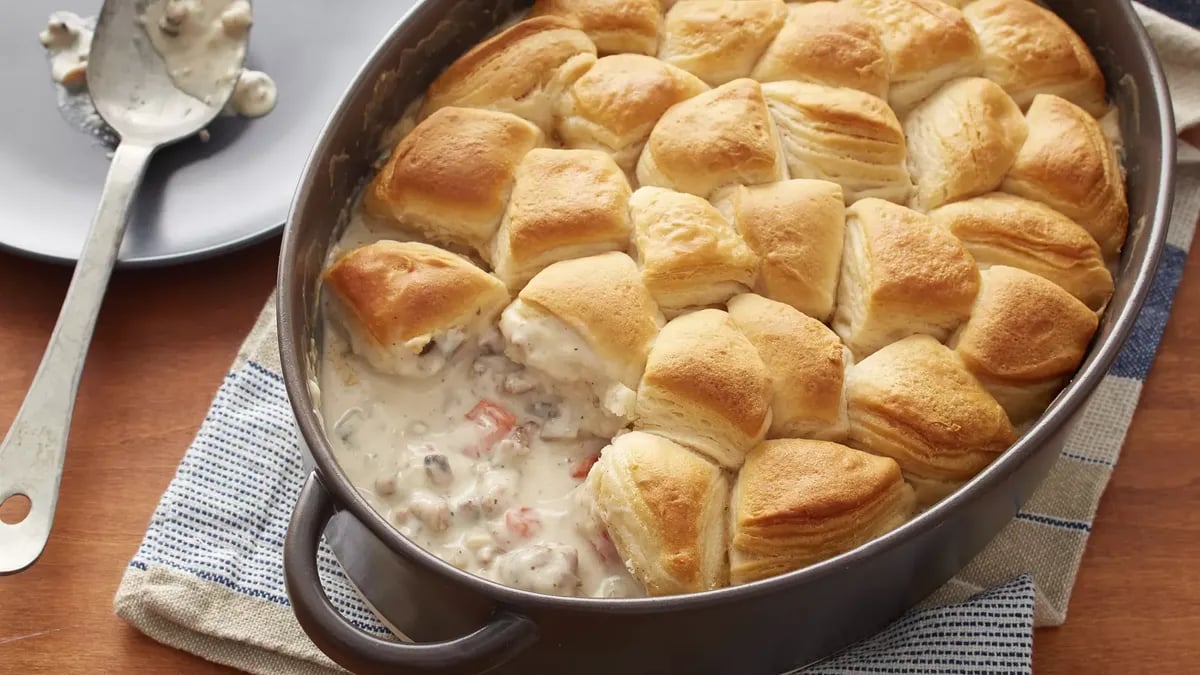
(803,357)
(403,290)
(828,43)
(614,25)
(628,93)
(798,502)
(565,198)
(999,228)
(841,135)
(603,298)
(721,136)
(684,243)
(1028,50)
(962,141)
(848,113)
(921,35)
(376,200)
(703,359)
(796,484)
(675,485)
(1024,329)
(796,228)
(457,166)
(719,41)
(914,401)
(912,262)
(511,64)
(1068,163)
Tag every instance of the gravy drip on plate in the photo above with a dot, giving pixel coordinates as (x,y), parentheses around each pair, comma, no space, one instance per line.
(68,40)
(481,464)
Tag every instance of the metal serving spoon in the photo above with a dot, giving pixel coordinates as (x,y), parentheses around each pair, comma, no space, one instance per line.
(134,94)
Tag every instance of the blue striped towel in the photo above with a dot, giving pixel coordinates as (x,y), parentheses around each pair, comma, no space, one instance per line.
(208,576)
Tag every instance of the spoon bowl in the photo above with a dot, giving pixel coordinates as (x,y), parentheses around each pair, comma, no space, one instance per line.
(132,88)
(134,92)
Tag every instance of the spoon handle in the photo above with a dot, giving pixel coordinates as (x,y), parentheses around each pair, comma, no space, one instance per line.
(31,456)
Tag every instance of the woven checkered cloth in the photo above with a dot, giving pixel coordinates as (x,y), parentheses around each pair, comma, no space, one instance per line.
(208,577)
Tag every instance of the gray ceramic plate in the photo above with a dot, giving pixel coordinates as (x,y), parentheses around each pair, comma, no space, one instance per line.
(199,199)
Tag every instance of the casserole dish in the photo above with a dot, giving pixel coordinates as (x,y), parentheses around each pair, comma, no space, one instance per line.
(462,623)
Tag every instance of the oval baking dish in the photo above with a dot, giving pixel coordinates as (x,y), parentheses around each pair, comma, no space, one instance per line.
(462,623)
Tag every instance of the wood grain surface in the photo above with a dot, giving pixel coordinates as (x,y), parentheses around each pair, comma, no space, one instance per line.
(164,342)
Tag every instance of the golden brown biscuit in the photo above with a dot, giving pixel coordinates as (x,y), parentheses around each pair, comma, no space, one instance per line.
(689,254)
(665,510)
(407,306)
(1003,229)
(615,26)
(565,204)
(449,178)
(915,401)
(828,43)
(901,275)
(721,137)
(1028,50)
(599,300)
(1068,164)
(928,43)
(843,136)
(961,141)
(807,363)
(523,70)
(614,105)
(1025,337)
(796,228)
(720,41)
(798,502)
(705,387)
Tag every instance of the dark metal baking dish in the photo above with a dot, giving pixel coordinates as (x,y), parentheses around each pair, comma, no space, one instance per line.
(462,623)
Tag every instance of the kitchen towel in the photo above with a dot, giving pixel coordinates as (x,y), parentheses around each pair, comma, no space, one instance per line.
(208,576)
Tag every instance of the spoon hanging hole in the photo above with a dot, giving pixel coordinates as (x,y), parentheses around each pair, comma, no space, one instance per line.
(15,509)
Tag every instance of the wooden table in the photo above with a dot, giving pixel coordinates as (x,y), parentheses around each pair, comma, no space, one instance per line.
(167,336)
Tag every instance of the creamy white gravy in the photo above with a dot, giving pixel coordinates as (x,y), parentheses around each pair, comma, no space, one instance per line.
(481,463)
(203,42)
(254,95)
(68,41)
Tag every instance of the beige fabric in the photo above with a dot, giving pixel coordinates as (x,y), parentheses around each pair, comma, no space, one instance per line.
(1179,50)
(218,624)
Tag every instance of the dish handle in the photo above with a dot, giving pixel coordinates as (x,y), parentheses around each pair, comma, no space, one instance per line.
(503,637)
